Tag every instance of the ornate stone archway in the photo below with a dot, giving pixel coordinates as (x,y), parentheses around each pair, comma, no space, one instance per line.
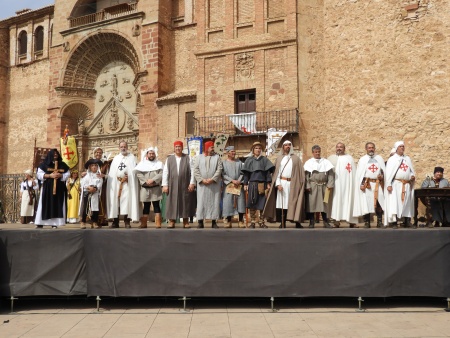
(103,71)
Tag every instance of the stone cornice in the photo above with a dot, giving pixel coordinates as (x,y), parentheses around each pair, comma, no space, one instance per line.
(77,92)
(208,50)
(190,96)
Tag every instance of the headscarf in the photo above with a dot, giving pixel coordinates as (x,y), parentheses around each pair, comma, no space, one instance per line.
(49,164)
(229,148)
(146,165)
(398,144)
(28,172)
(208,145)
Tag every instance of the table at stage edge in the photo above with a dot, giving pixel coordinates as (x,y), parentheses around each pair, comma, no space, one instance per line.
(424,194)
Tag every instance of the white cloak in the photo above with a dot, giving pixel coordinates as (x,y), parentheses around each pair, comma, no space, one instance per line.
(343,192)
(129,198)
(364,200)
(283,196)
(25,208)
(91,179)
(394,207)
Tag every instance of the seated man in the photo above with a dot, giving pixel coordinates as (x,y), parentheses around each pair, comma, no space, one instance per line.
(440,206)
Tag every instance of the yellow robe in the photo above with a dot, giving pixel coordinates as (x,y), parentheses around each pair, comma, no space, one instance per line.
(73,204)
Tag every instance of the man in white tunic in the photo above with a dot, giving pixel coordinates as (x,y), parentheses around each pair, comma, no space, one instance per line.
(285,200)
(208,174)
(343,192)
(369,195)
(399,190)
(122,188)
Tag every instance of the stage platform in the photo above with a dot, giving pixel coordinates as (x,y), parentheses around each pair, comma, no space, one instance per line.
(225,262)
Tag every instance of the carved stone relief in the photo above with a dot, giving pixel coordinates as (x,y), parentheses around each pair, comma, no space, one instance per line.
(244,66)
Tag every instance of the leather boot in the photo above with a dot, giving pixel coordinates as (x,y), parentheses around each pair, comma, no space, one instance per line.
(367,221)
(326,224)
(298,225)
(214,224)
(186,223)
(143,224)
(379,221)
(311,222)
(408,223)
(228,223)
(200,224)
(127,221)
(115,223)
(252,218)
(157,221)
(262,223)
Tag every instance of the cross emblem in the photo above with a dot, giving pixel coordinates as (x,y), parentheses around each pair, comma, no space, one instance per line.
(55,180)
(373,168)
(348,167)
(122,166)
(68,153)
(404,167)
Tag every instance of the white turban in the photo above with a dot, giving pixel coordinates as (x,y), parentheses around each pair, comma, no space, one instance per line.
(393,151)
(287,142)
(145,151)
(28,172)
(398,144)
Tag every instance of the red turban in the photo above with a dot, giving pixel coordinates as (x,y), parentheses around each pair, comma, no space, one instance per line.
(208,145)
(178,143)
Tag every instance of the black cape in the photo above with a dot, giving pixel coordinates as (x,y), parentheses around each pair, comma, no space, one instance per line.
(53,205)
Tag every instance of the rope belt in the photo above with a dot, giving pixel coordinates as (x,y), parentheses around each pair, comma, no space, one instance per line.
(404,182)
(286,178)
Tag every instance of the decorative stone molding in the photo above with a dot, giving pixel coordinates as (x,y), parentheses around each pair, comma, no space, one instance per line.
(75,92)
(245,66)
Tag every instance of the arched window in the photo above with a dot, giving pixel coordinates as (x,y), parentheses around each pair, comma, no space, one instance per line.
(23,43)
(39,39)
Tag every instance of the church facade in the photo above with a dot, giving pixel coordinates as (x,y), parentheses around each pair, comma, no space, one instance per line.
(154,71)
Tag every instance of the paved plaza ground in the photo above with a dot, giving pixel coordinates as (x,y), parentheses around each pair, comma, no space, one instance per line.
(153,317)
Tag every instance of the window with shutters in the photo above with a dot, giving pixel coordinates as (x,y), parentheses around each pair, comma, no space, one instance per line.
(245,101)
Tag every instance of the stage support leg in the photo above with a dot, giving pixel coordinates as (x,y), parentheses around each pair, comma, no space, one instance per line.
(448,305)
(98,299)
(12,303)
(272,304)
(360,309)
(184,299)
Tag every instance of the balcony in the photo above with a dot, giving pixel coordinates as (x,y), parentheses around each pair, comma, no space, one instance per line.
(283,120)
(105,14)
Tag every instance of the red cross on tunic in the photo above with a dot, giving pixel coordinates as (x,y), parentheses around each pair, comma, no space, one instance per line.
(373,168)
(348,167)
(68,153)
(404,167)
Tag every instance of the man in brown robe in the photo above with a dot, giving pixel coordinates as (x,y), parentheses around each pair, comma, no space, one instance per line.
(285,201)
(178,183)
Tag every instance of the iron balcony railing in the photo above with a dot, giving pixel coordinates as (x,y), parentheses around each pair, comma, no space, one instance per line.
(283,120)
(105,14)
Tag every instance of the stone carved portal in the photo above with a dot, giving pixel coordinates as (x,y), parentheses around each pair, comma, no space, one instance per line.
(100,73)
(115,116)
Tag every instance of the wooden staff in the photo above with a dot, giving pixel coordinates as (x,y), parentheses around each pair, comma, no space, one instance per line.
(246,209)
(55,170)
